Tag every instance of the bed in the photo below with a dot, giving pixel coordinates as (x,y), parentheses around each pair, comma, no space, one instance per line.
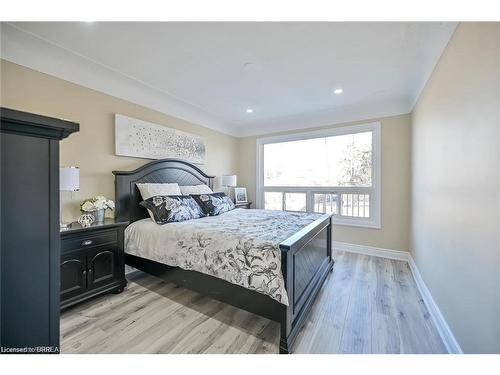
(270,263)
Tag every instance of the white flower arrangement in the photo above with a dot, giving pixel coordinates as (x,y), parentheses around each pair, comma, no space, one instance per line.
(97,203)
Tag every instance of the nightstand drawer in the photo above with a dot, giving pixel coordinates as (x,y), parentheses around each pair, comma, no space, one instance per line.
(89,240)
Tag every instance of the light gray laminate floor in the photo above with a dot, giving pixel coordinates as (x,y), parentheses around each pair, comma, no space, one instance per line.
(367,305)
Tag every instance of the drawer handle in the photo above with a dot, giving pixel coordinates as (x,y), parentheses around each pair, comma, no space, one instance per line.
(87,242)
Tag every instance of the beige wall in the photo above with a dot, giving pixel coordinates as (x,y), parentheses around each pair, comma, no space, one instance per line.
(456,186)
(92,148)
(394,233)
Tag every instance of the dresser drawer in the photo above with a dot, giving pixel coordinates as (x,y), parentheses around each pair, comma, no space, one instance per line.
(88,240)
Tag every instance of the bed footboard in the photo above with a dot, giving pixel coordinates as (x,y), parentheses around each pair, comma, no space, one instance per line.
(306,259)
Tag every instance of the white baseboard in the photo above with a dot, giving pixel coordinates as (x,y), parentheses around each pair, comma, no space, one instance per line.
(437,317)
(449,340)
(370,250)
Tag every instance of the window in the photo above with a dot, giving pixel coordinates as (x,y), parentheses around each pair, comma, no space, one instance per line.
(295,201)
(285,201)
(326,203)
(273,200)
(335,171)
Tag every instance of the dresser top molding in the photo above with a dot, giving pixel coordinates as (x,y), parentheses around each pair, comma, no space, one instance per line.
(18,122)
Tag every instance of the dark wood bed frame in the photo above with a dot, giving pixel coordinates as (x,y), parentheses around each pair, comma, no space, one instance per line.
(306,257)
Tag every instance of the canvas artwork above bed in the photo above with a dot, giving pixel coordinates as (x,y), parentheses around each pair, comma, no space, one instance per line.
(142,139)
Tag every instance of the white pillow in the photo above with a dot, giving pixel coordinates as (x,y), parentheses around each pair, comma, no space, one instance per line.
(150,190)
(196,189)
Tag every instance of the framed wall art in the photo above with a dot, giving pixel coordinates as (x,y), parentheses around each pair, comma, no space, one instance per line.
(142,139)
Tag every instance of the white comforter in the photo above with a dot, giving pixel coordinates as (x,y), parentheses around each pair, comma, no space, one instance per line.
(240,246)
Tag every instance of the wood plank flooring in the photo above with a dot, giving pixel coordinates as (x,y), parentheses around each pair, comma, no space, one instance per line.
(367,305)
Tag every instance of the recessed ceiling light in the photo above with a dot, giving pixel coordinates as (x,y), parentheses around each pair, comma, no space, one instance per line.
(249,110)
(251,67)
(338,91)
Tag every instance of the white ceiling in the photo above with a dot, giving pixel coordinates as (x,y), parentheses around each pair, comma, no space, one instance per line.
(200,71)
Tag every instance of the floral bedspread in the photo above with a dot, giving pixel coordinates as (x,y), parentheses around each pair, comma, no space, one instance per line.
(240,246)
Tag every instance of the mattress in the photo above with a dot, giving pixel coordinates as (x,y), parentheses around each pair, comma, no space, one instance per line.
(240,246)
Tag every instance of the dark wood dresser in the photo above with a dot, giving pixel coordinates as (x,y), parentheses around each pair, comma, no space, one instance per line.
(30,245)
(92,261)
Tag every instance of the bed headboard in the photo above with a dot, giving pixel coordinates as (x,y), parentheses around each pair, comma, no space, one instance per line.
(128,196)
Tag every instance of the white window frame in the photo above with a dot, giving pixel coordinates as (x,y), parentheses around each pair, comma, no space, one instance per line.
(374,221)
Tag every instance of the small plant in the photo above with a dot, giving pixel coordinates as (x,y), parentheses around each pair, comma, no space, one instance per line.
(96,203)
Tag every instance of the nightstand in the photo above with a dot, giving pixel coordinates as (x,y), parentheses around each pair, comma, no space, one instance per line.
(243,205)
(92,261)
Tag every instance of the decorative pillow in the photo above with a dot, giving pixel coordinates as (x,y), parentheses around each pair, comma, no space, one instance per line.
(214,204)
(149,190)
(195,189)
(168,209)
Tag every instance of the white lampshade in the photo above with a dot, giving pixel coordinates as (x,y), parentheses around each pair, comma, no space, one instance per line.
(69,178)
(228,180)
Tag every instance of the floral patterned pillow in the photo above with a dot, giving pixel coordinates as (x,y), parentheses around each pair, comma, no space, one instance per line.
(214,204)
(172,208)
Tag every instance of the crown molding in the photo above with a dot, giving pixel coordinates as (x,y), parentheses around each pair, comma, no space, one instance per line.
(431,65)
(359,112)
(26,49)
